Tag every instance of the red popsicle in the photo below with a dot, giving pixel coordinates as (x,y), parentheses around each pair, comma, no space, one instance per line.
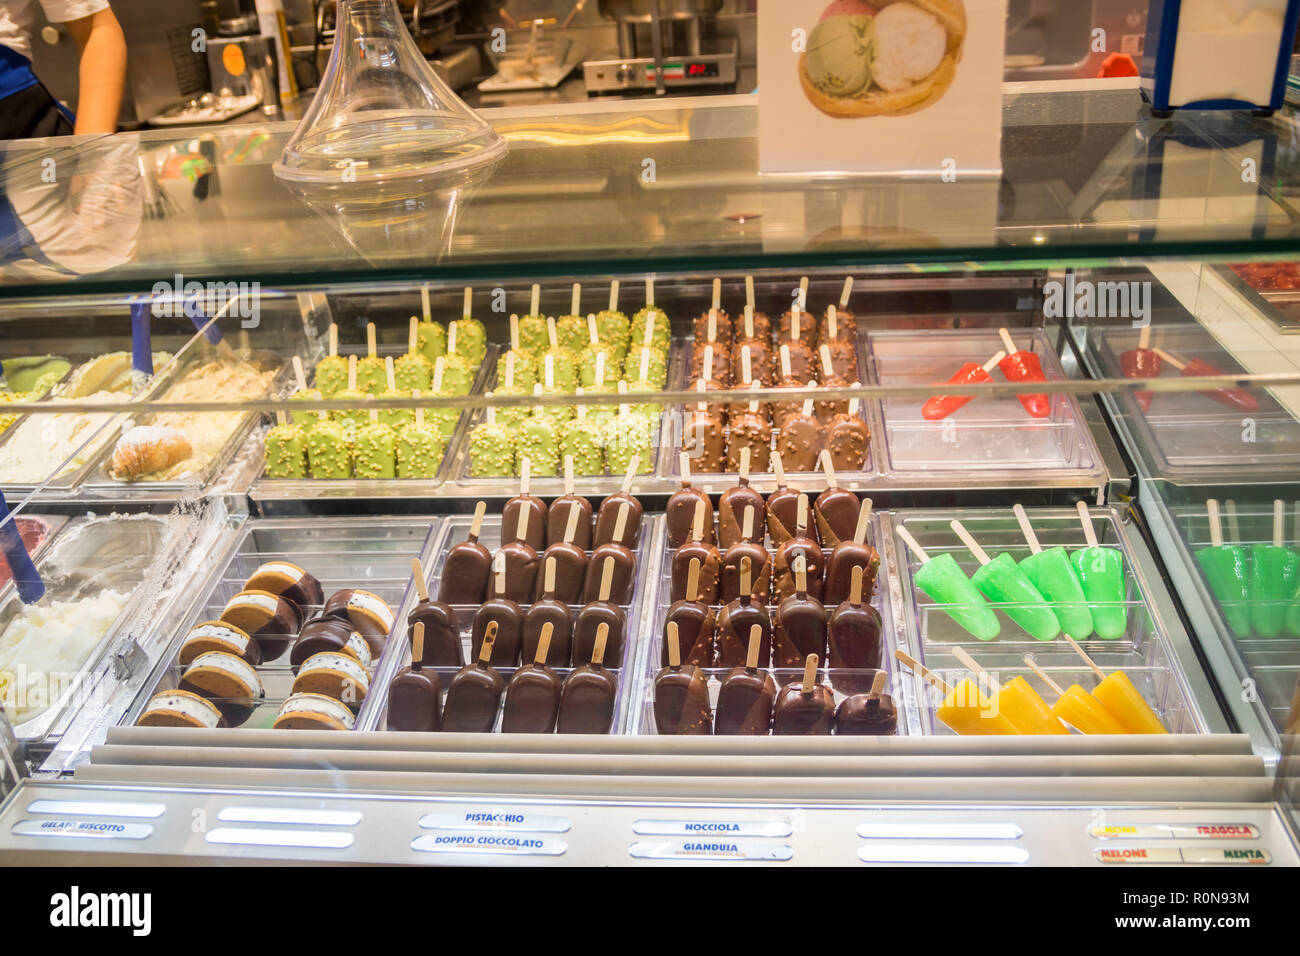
(1238,398)
(1141,362)
(1023,366)
(941,406)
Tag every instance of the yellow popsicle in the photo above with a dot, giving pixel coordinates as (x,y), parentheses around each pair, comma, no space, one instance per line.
(1118,695)
(967,711)
(1079,709)
(1026,710)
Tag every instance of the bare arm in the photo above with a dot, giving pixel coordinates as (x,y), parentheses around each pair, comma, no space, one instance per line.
(102,72)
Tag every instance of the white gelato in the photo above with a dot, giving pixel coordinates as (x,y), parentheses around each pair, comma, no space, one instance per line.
(45,646)
(910,44)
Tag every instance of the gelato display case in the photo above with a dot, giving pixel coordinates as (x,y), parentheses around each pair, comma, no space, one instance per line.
(808,511)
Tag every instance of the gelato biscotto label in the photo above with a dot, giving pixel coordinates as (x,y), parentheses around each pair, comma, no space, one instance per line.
(498,843)
(86,829)
(713,828)
(710,847)
(1138,854)
(1175,831)
(486,818)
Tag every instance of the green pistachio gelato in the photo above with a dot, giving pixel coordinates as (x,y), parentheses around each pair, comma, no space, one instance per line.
(840,51)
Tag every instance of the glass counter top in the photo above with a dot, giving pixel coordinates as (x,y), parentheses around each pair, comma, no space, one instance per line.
(1088,174)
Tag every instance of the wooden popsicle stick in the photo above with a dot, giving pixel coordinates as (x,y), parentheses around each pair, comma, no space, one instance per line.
(451,337)
(746,580)
(1085,519)
(1092,665)
(701,386)
(552,337)
(864,519)
(390,373)
(476,525)
(697,524)
(419,412)
(832,322)
(926,674)
(1026,528)
(1230,512)
(649,291)
(598,651)
(568,474)
(417,574)
(535,302)
(613,295)
(1042,675)
(785,361)
(912,543)
(607,579)
(749,293)
(674,646)
(499,570)
(755,645)
(1010,344)
(1216,524)
(490,412)
(809,675)
(424,303)
(753,406)
(525,474)
(848,290)
(352,373)
(575,300)
(801,574)
(744,465)
(417,646)
(749,321)
(824,459)
(855,584)
(489,639)
(413,335)
(334,339)
(693,581)
(796,313)
(854,402)
(645,365)
(524,514)
(281,418)
(684,464)
(801,514)
(466,301)
(299,375)
(992,363)
(1144,337)
(543,644)
(548,580)
(981,674)
(803,293)
(778,468)
(969,540)
(631,474)
(371,345)
(592,332)
(713,326)
(439,368)
(717,293)
(828,368)
(808,409)
(1172,360)
(548,370)
(571,526)
(747,524)
(746,363)
(600,369)
(514,331)
(1279,520)
(708,363)
(620,523)
(580,412)
(878,683)
(374,416)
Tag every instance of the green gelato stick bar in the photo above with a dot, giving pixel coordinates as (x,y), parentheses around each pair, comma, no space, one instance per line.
(537,443)
(1001,581)
(492,449)
(419,449)
(1274,576)
(376,451)
(286,452)
(332,371)
(627,436)
(457,375)
(614,330)
(533,335)
(1102,572)
(512,416)
(563,369)
(1227,571)
(584,442)
(471,335)
(645,365)
(595,362)
(431,340)
(306,419)
(942,580)
(329,451)
(1054,576)
(518,368)
(413,370)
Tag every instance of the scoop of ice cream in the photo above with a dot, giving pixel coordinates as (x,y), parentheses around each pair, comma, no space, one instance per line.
(847,8)
(839,54)
(910,44)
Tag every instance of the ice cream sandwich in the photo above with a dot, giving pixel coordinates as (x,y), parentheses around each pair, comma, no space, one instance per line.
(882,57)
(219,636)
(333,675)
(289,581)
(224,677)
(330,632)
(180,708)
(268,618)
(368,612)
(313,712)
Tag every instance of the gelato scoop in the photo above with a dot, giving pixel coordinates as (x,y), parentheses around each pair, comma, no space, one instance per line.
(840,53)
(911,45)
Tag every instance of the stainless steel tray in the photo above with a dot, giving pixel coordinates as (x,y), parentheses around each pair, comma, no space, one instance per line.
(398,653)
(267,489)
(368,552)
(641,717)
(1144,652)
(1279,306)
(113,552)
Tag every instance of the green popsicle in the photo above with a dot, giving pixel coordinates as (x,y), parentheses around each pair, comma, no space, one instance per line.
(944,582)
(1102,572)
(1001,581)
(1293,616)
(1226,569)
(1054,576)
(1274,572)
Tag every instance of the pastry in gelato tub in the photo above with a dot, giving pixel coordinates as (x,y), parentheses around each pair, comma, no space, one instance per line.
(887,57)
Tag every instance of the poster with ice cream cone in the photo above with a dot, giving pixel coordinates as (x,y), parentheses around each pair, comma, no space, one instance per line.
(881,86)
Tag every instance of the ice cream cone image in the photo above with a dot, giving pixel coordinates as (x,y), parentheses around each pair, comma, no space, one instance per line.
(883,58)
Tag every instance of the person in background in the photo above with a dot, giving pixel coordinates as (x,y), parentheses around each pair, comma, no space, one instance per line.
(26,107)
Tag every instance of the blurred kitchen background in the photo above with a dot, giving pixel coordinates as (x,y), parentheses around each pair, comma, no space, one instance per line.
(513,53)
